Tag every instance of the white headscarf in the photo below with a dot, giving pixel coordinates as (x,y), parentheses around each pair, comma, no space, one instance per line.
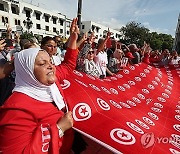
(27,83)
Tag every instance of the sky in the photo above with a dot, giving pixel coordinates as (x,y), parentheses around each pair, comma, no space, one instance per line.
(159,16)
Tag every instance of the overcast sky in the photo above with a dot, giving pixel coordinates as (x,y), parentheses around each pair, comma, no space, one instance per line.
(157,15)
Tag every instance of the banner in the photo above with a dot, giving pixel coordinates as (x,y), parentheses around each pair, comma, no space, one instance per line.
(135,111)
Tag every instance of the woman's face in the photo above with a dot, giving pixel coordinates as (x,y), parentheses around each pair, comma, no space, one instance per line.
(90,55)
(44,70)
(50,47)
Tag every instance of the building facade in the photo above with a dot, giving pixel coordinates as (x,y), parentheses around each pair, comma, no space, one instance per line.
(22,16)
(177,37)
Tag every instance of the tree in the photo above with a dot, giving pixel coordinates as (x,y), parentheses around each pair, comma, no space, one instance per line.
(134,33)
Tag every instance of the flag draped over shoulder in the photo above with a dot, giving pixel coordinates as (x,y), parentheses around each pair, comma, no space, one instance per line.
(135,111)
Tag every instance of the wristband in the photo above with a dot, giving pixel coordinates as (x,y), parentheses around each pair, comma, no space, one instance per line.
(61,133)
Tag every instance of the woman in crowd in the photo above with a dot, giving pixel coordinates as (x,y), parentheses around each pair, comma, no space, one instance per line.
(90,66)
(35,118)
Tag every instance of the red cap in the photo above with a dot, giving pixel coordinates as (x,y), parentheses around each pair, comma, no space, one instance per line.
(129,55)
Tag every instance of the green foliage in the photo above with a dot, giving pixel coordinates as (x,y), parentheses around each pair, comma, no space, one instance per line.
(26,35)
(136,33)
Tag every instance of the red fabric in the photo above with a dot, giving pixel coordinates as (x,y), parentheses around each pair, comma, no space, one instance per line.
(125,111)
(129,55)
(146,59)
(109,43)
(29,126)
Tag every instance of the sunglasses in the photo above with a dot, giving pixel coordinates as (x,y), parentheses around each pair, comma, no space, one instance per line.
(50,46)
(91,52)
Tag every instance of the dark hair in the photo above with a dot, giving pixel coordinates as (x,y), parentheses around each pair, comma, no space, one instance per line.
(46,39)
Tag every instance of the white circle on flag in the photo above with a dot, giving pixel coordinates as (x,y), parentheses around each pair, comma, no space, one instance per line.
(66,84)
(105,90)
(177,117)
(177,106)
(115,104)
(156,109)
(167,91)
(135,128)
(150,86)
(168,87)
(132,67)
(132,83)
(113,78)
(81,112)
(153,116)
(124,105)
(126,86)
(165,95)
(161,99)
(94,87)
(158,105)
(121,88)
(155,83)
(131,103)
(145,91)
(136,100)
(146,71)
(141,96)
(102,104)
(177,111)
(143,75)
(77,73)
(126,71)
(148,121)
(173,151)
(119,76)
(122,136)
(157,79)
(142,124)
(137,78)
(114,91)
(177,127)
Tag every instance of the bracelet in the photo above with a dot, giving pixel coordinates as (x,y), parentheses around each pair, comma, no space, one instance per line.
(61,133)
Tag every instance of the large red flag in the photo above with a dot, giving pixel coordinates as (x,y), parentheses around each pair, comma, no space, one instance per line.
(136,111)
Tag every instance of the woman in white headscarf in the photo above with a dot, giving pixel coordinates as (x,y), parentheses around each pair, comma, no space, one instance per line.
(33,119)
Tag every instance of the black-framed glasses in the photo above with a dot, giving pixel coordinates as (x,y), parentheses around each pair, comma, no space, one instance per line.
(91,52)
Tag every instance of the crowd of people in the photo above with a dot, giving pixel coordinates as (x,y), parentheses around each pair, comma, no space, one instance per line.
(34,116)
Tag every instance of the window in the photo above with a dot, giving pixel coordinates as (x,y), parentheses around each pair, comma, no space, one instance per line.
(67,32)
(54,29)
(37,16)
(15,21)
(83,26)
(47,28)
(19,23)
(28,13)
(38,26)
(93,27)
(61,22)
(61,31)
(46,18)
(1,7)
(14,11)
(54,20)
(4,19)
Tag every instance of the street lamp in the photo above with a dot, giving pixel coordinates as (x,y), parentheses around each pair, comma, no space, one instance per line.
(79,13)
(28,23)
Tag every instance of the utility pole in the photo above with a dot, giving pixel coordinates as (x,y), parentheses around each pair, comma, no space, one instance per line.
(79,13)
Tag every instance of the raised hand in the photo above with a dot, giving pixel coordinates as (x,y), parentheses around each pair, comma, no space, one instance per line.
(2,45)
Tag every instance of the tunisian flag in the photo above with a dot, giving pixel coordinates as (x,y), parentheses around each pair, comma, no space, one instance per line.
(135,111)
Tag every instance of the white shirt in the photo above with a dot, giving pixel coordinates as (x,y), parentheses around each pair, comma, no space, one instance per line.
(101,61)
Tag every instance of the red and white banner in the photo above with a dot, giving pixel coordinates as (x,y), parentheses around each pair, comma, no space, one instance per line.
(136,111)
